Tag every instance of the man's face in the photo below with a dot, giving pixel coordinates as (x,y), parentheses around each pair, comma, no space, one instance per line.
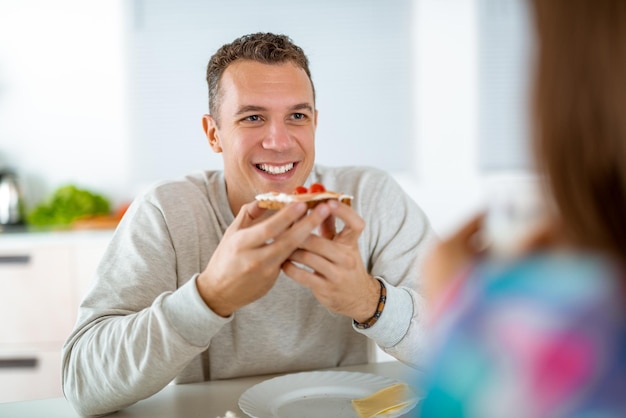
(266,133)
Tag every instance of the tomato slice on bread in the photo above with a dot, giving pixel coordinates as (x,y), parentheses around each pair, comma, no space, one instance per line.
(317,188)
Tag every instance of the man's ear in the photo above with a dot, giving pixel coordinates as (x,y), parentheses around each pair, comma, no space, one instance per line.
(210,130)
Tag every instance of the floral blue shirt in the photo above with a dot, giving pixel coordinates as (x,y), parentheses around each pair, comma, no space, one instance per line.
(539,337)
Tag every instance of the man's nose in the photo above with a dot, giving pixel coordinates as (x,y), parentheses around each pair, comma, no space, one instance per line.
(277,137)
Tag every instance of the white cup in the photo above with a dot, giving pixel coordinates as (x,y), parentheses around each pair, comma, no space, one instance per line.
(515,207)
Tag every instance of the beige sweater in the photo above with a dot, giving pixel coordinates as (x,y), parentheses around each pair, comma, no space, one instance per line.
(143,323)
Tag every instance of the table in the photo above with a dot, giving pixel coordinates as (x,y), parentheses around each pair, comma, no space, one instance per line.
(205,399)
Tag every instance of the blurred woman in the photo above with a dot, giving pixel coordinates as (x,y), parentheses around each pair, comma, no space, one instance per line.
(544,334)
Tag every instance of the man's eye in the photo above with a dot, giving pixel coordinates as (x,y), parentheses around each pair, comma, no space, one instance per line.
(253,118)
(299,116)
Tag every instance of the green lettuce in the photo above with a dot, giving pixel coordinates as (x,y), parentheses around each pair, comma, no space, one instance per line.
(67,204)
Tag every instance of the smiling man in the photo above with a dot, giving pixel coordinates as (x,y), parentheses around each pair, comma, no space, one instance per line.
(264,124)
(200,283)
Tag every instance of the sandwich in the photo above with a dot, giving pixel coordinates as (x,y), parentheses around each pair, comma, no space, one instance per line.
(313,196)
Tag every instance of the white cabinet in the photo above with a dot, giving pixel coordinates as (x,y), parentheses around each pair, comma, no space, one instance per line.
(30,372)
(35,294)
(43,277)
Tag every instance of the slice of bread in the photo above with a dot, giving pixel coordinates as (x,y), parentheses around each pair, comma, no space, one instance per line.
(276,200)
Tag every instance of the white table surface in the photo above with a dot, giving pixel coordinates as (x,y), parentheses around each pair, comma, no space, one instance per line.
(202,400)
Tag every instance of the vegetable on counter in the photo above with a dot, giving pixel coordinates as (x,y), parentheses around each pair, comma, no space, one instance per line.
(102,221)
(67,205)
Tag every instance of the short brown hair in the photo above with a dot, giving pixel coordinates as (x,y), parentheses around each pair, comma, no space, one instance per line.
(267,48)
(579,119)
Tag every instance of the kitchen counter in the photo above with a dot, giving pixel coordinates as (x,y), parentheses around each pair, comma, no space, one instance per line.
(24,235)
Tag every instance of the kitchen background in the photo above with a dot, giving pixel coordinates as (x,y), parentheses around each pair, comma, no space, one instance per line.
(108,95)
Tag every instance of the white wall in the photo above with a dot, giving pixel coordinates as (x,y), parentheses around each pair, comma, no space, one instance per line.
(453,120)
(62,95)
(64,105)
(360,58)
(447,181)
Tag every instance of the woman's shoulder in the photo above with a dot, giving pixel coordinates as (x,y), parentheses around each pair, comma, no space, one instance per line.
(557,321)
(546,297)
(553,278)
(541,294)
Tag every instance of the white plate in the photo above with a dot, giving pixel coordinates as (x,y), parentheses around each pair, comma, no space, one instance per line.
(314,395)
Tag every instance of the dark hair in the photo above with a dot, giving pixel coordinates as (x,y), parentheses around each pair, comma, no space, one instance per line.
(267,48)
(579,116)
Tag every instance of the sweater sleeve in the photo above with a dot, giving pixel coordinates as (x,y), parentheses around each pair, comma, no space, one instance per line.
(139,325)
(401,329)
(397,236)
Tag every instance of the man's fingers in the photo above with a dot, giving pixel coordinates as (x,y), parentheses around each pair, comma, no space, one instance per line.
(353,223)
(286,229)
(328,229)
(331,251)
(301,274)
(300,231)
(260,233)
(249,214)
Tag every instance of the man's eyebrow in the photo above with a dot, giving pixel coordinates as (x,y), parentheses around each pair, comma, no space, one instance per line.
(302,106)
(249,108)
(254,108)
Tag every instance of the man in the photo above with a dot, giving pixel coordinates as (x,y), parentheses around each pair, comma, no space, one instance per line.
(191,292)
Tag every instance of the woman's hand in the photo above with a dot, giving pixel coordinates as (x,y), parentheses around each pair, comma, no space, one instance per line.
(451,255)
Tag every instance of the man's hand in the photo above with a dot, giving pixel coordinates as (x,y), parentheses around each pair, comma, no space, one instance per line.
(248,259)
(339,279)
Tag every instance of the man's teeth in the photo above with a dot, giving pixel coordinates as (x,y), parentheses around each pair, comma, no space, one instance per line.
(273,169)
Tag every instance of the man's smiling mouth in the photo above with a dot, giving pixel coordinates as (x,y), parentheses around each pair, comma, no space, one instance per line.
(275,169)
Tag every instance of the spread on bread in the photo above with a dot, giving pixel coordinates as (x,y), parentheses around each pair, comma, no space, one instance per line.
(315,194)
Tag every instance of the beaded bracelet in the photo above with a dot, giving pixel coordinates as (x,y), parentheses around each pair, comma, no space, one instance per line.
(379,310)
